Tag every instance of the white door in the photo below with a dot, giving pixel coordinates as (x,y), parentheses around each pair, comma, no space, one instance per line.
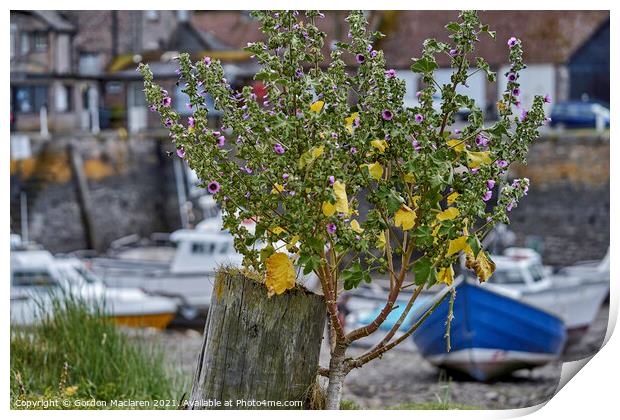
(136,107)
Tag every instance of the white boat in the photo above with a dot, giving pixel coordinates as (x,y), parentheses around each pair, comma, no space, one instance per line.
(590,271)
(37,277)
(189,272)
(575,301)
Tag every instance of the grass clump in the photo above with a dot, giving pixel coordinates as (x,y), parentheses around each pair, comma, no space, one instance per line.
(75,353)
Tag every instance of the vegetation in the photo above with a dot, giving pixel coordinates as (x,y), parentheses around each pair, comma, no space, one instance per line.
(77,354)
(330,139)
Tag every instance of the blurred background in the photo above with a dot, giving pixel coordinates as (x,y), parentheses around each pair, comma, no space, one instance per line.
(94,174)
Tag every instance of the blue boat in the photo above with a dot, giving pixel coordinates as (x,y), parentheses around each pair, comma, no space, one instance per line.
(491,334)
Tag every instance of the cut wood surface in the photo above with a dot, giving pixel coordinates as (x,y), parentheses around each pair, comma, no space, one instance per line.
(258,348)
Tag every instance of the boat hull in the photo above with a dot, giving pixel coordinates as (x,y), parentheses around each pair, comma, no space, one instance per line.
(490,334)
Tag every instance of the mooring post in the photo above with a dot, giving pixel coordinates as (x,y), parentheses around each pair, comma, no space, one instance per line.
(258,348)
(83,196)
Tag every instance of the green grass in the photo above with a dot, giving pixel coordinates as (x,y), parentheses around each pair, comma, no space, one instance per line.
(78,354)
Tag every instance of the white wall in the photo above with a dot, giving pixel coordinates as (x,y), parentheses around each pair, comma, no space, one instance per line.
(538,79)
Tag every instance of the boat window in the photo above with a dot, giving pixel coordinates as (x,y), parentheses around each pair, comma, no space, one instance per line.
(506,277)
(86,275)
(203,248)
(536,272)
(33,278)
(224,248)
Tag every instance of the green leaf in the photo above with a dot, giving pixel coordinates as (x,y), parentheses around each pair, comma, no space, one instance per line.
(424,65)
(309,262)
(453,26)
(353,276)
(474,244)
(424,271)
(424,236)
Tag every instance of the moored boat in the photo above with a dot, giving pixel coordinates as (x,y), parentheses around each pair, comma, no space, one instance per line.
(491,334)
(37,278)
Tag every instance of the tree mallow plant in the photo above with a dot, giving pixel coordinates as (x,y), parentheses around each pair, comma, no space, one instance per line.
(334,167)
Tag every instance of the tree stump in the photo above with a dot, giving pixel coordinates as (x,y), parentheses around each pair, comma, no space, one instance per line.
(257,348)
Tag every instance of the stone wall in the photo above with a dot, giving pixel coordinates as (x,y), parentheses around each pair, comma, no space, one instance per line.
(131,186)
(132,189)
(567,209)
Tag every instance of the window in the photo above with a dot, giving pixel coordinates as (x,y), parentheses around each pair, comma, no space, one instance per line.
(152,15)
(507,277)
(30,99)
(203,248)
(89,63)
(40,41)
(33,278)
(24,43)
(63,102)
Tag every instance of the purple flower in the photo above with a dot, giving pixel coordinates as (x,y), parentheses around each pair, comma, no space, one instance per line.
(221,141)
(360,58)
(512,77)
(547,120)
(181,152)
(248,170)
(191,122)
(481,140)
(416,145)
(390,73)
(278,148)
(285,176)
(516,91)
(453,53)
(334,135)
(168,122)
(353,150)
(419,118)
(510,206)
(512,41)
(490,184)
(207,61)
(331,228)
(331,180)
(166,101)
(502,163)
(418,93)
(523,115)
(457,131)
(547,99)
(373,53)
(153,108)
(487,195)
(474,170)
(213,187)
(387,115)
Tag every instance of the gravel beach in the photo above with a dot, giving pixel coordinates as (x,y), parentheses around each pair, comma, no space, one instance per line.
(403,376)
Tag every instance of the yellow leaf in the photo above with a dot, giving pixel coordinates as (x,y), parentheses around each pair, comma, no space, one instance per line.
(348,122)
(456,144)
(328,208)
(452,198)
(310,156)
(409,178)
(482,265)
(342,202)
(292,242)
(477,159)
(448,214)
(277,188)
(404,217)
(380,145)
(280,274)
(71,390)
(381,240)
(457,245)
(376,170)
(446,275)
(355,226)
(277,230)
(317,106)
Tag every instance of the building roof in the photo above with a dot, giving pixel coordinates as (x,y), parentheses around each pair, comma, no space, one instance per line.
(547,36)
(54,20)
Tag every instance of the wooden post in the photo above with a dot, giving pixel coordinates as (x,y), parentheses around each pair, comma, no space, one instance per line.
(258,348)
(83,196)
